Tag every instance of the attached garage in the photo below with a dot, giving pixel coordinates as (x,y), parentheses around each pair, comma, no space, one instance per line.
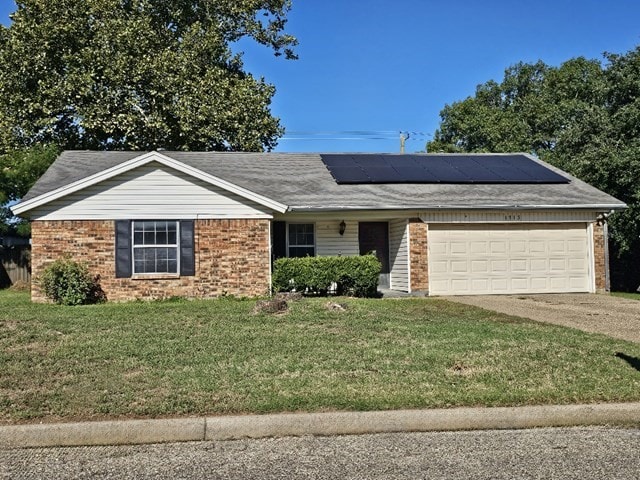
(474,259)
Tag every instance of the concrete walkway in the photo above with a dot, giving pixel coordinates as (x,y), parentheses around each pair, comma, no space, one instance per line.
(613,316)
(337,423)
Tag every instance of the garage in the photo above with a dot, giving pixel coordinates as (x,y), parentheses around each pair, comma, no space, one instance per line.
(475,259)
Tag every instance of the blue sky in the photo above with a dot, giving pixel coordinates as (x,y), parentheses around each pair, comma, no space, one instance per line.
(369,69)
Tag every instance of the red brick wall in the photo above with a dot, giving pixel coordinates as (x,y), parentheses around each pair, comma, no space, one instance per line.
(232,257)
(599,257)
(418,255)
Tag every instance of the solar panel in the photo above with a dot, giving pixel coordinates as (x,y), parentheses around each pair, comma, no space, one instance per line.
(445,172)
(438,168)
(477,171)
(384,174)
(349,174)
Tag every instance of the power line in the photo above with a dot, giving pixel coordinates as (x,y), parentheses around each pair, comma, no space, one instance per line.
(352,135)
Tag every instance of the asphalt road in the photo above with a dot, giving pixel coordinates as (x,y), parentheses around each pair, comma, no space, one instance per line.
(560,453)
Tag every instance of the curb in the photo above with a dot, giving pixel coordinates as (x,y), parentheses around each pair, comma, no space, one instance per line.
(131,432)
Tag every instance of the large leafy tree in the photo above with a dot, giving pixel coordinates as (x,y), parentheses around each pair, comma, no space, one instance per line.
(138,74)
(19,169)
(583,116)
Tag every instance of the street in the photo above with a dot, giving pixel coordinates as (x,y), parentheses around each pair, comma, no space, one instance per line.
(562,453)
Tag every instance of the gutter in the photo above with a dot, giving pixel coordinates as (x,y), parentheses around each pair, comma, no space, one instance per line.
(598,207)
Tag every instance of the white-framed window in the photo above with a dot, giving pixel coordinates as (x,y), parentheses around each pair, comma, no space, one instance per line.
(155,246)
(301,240)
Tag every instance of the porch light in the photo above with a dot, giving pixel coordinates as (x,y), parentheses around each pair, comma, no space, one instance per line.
(343,227)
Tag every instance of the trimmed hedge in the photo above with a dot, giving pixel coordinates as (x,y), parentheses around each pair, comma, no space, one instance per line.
(357,276)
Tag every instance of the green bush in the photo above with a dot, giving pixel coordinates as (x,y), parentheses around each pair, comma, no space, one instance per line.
(69,283)
(357,276)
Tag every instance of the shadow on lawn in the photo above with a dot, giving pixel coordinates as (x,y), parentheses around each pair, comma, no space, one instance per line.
(633,361)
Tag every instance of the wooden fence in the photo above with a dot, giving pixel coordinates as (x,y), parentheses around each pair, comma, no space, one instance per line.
(15,265)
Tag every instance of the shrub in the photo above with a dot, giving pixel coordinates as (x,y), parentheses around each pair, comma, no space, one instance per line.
(357,276)
(69,283)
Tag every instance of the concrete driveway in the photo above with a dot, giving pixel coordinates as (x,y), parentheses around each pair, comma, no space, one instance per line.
(613,316)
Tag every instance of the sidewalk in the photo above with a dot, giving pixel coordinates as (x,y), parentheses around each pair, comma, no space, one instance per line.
(296,424)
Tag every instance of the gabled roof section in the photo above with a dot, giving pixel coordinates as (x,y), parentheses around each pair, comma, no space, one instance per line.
(41,193)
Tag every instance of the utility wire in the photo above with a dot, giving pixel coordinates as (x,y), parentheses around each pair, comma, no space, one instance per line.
(352,135)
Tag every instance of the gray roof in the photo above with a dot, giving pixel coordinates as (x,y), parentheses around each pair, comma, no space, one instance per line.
(302,182)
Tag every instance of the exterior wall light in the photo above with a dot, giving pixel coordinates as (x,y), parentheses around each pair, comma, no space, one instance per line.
(343,227)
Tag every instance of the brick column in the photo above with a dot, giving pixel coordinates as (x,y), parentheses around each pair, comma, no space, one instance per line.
(418,255)
(600,257)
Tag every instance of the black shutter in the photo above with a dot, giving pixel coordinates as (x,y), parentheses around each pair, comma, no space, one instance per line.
(187,250)
(123,248)
(279,247)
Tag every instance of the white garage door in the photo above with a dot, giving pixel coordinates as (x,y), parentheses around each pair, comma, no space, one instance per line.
(491,259)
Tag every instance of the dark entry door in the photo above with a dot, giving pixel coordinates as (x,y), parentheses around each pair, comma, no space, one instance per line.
(374,237)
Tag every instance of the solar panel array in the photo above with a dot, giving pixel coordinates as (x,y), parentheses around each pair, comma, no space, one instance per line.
(433,168)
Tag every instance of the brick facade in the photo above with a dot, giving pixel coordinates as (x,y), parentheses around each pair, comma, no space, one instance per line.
(418,255)
(232,257)
(600,257)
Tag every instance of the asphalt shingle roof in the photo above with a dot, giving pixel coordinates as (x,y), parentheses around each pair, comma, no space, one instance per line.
(302,181)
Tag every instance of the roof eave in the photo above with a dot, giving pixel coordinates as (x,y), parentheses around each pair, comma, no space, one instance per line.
(596,207)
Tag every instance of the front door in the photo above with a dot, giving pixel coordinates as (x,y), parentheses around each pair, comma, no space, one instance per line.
(373,237)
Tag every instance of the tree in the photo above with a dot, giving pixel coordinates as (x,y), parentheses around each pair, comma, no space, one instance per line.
(138,74)
(19,170)
(583,116)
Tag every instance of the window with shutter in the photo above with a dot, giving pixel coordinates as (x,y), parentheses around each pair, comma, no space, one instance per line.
(154,247)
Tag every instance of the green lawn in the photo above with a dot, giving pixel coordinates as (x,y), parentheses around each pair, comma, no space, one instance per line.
(215,357)
(632,296)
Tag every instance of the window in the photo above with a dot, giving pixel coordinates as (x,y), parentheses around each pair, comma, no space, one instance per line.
(301,240)
(161,247)
(155,247)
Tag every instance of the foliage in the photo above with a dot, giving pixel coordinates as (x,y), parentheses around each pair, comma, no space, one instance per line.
(583,116)
(19,169)
(69,283)
(138,74)
(352,275)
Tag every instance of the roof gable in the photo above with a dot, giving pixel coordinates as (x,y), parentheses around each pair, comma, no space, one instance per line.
(137,162)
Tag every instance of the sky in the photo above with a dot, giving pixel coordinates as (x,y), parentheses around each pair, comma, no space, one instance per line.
(370,69)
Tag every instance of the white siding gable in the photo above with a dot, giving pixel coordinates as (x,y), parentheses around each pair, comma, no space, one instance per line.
(399,254)
(152,190)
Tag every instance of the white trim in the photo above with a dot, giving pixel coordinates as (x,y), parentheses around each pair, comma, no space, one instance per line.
(389,255)
(509,216)
(137,162)
(592,257)
(177,246)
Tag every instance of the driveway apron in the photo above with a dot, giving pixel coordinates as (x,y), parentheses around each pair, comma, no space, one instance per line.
(597,313)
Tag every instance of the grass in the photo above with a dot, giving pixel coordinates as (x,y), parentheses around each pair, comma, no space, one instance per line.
(171,358)
(630,295)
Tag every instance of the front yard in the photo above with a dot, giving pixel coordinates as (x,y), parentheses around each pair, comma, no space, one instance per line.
(171,358)
(632,296)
